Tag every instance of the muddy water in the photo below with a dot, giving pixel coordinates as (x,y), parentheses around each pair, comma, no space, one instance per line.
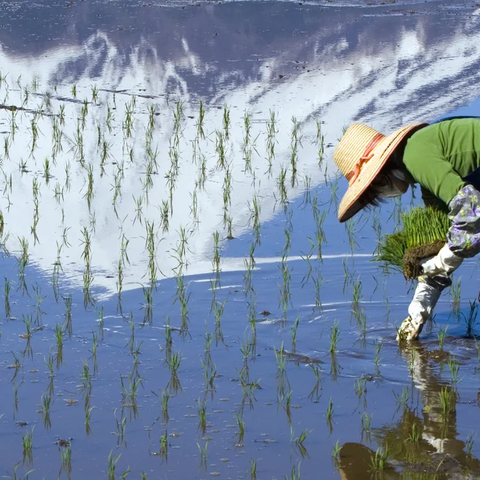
(121,344)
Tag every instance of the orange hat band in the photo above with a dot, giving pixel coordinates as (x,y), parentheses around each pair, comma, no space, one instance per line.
(367,155)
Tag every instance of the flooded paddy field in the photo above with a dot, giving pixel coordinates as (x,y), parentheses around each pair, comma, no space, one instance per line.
(179,300)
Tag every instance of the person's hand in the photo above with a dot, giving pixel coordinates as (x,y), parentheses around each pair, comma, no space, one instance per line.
(444,263)
(424,300)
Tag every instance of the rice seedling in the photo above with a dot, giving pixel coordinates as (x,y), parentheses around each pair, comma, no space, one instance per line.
(6,290)
(147,305)
(165,399)
(454,367)
(330,415)
(356,295)
(27,320)
(281,186)
(94,93)
(112,464)
(253,469)
(333,185)
(247,126)
(45,401)
(109,119)
(216,253)
(127,125)
(447,399)
(121,425)
(247,278)
(177,117)
(15,398)
(318,282)
(7,142)
(66,459)
(93,351)
(294,143)
(220,148)
(294,332)
(202,415)
(254,208)
(285,294)
(378,462)
(360,388)
(307,192)
(378,348)
(246,349)
(351,227)
(299,442)
(241,428)
(202,172)
(455,292)
(366,421)
(280,358)
(270,141)
(16,477)
(130,390)
(87,284)
(441,337)
(218,309)
(15,365)
(314,395)
(415,433)
(288,409)
(469,443)
(174,364)
(334,337)
(471,319)
(294,474)
(88,416)
(203,453)
(35,133)
(183,298)
(85,378)
(67,323)
(27,443)
(226,193)
(320,139)
(336,451)
(164,446)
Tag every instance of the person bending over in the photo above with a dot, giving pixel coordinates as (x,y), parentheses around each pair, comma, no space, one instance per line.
(444,159)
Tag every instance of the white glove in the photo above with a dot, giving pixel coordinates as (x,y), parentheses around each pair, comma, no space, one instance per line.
(422,305)
(444,263)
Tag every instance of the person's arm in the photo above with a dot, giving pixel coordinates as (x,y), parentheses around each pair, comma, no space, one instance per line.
(463,241)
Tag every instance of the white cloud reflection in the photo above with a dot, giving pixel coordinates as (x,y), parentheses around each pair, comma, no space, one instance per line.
(385,85)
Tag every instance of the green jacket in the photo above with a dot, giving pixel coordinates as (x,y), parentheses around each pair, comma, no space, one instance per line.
(441,155)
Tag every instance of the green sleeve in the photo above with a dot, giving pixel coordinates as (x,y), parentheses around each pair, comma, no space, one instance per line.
(425,160)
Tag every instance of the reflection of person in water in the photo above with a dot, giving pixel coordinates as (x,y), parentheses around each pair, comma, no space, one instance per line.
(437,451)
(444,158)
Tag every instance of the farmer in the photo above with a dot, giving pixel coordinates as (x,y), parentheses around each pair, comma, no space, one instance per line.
(444,158)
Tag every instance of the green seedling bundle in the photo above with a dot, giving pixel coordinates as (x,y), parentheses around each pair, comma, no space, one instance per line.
(421,235)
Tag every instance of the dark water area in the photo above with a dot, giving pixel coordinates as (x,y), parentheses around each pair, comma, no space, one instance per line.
(179,299)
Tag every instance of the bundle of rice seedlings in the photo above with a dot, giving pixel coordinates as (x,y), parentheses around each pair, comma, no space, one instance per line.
(421,235)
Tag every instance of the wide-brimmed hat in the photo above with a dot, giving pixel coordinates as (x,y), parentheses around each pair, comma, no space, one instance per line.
(360,155)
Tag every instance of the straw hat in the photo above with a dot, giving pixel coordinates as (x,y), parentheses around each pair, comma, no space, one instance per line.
(360,155)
